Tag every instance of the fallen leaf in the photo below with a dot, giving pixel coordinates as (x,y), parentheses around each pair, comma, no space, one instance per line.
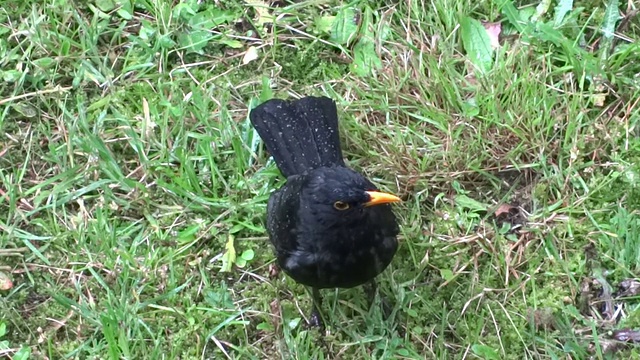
(542,319)
(493,30)
(629,287)
(262,11)
(598,99)
(626,335)
(5,282)
(606,298)
(606,347)
(274,270)
(250,55)
(503,209)
(276,314)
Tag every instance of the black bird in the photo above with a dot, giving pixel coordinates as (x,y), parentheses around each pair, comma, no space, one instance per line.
(330,226)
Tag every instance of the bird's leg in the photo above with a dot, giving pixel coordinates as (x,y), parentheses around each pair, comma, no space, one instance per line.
(370,288)
(315,320)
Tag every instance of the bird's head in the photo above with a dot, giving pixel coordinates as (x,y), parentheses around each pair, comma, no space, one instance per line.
(341,195)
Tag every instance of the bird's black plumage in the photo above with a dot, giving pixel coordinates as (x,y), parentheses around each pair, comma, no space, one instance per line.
(327,224)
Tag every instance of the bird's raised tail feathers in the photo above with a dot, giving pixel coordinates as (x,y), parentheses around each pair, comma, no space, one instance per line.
(301,134)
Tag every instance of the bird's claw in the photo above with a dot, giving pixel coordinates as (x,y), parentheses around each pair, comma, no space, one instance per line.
(315,320)
(386,307)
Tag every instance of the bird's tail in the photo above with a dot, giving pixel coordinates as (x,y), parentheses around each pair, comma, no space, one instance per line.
(301,134)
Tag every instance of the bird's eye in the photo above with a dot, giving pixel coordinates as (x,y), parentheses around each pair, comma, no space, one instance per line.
(340,205)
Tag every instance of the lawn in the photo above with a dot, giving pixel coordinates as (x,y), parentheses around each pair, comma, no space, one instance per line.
(133,188)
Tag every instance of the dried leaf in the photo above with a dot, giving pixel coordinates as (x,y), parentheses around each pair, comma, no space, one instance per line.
(5,282)
(276,314)
(262,12)
(274,270)
(598,99)
(542,319)
(250,55)
(493,30)
(503,209)
(606,298)
(626,335)
(629,287)
(606,347)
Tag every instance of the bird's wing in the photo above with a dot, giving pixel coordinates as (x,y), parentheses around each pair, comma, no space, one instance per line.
(300,135)
(282,215)
(291,244)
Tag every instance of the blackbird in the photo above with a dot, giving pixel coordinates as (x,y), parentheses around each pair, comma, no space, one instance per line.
(330,227)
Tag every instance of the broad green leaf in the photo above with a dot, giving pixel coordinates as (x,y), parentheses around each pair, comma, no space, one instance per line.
(561,10)
(365,58)
(248,255)
(403,352)
(519,19)
(526,14)
(105,5)
(236,228)
(26,109)
(10,75)
(541,9)
(232,43)
(166,42)
(611,17)
(471,107)
(345,27)
(466,202)
(147,31)
(210,18)
(265,326)
(22,354)
(293,323)
(184,10)
(64,48)
(324,24)
(446,274)
(195,40)
(266,92)
(229,256)
(188,234)
(125,9)
(485,352)
(476,43)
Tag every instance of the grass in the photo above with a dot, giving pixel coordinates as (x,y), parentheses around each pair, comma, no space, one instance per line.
(133,188)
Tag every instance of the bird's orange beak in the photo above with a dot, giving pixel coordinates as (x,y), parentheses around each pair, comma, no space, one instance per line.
(379,198)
